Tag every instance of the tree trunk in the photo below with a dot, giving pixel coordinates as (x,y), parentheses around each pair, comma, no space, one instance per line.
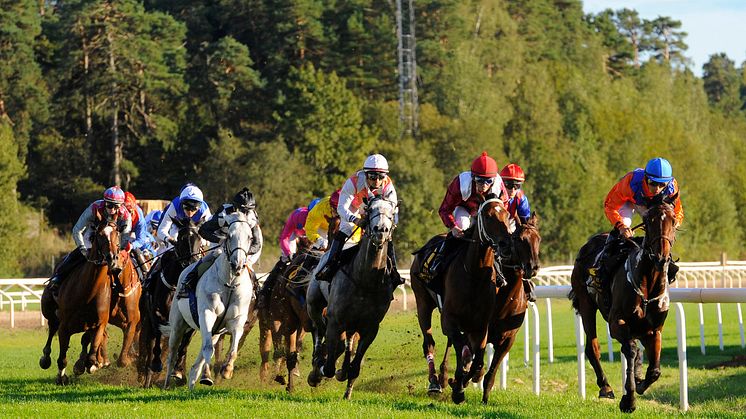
(116,142)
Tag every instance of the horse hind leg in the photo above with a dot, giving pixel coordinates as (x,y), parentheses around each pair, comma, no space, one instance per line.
(46,360)
(443,369)
(314,377)
(226,371)
(80,365)
(593,350)
(457,382)
(64,340)
(342,373)
(629,351)
(653,349)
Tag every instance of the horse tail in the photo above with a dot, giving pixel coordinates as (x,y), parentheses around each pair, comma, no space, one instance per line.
(574,298)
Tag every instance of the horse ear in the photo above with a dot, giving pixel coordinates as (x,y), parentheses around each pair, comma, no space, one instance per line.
(534,219)
(671,199)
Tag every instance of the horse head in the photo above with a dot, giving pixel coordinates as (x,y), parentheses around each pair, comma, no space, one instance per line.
(105,244)
(238,241)
(493,225)
(660,233)
(379,225)
(188,242)
(526,240)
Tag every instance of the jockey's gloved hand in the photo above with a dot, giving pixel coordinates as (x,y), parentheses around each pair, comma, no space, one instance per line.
(457,232)
(286,258)
(360,222)
(320,243)
(171,240)
(83,251)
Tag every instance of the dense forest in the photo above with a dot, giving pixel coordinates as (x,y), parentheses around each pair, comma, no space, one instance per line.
(288,97)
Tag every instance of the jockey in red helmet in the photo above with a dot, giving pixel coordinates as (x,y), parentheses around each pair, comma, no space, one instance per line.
(372,180)
(463,196)
(109,208)
(632,194)
(518,207)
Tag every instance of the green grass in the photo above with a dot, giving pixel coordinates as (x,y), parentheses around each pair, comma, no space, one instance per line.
(392,381)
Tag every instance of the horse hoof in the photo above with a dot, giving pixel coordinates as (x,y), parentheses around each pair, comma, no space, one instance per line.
(458,397)
(79,367)
(314,378)
(478,375)
(296,372)
(226,373)
(106,364)
(178,375)
(627,405)
(63,380)
(434,388)
(341,375)
(330,374)
(45,362)
(207,381)
(92,369)
(280,379)
(156,367)
(122,363)
(641,388)
(606,394)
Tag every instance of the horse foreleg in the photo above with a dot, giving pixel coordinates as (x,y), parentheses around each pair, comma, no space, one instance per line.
(291,359)
(181,364)
(314,377)
(237,330)
(362,346)
(64,340)
(196,371)
(342,373)
(265,347)
(177,328)
(85,340)
(333,336)
(457,383)
(98,347)
(278,354)
(206,323)
(443,370)
(652,345)
(629,351)
(132,322)
(502,347)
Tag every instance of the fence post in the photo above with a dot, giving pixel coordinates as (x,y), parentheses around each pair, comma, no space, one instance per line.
(504,372)
(579,344)
(550,332)
(609,343)
(536,349)
(683,374)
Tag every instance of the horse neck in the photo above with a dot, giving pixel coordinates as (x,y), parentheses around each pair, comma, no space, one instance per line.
(370,260)
(478,254)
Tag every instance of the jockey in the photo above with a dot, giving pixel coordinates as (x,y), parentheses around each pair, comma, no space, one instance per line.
(294,230)
(188,205)
(518,207)
(372,181)
(463,196)
(152,220)
(140,238)
(317,223)
(632,194)
(216,230)
(108,208)
(513,178)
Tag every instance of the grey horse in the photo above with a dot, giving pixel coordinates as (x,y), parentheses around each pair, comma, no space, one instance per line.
(359,296)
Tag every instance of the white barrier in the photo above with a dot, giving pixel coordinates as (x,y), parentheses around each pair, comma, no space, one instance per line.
(29,293)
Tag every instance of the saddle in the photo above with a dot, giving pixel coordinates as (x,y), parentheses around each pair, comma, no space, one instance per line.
(435,257)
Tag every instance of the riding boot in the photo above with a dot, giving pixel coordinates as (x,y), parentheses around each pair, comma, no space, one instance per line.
(396,279)
(437,265)
(327,271)
(529,288)
(673,268)
(599,271)
(190,282)
(71,261)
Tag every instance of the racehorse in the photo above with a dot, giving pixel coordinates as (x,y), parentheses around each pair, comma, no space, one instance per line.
(83,303)
(521,262)
(469,291)
(359,296)
(223,296)
(284,323)
(155,303)
(639,301)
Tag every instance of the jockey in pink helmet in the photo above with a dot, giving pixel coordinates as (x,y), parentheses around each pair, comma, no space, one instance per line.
(111,207)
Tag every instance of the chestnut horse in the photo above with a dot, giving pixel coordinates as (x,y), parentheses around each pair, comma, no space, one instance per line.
(521,263)
(639,302)
(84,301)
(155,303)
(469,291)
(285,321)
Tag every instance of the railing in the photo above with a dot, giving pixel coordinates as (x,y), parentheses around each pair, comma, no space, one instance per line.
(21,291)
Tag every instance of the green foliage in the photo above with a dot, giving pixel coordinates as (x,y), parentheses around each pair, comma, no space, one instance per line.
(322,120)
(722,83)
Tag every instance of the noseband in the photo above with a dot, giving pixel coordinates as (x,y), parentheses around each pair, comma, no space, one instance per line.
(368,227)
(484,238)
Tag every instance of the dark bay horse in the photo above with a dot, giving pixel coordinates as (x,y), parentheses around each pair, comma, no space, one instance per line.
(285,321)
(155,303)
(522,262)
(359,297)
(469,291)
(639,302)
(83,303)
(511,303)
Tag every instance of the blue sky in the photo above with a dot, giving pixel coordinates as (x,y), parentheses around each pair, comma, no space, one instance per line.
(712,25)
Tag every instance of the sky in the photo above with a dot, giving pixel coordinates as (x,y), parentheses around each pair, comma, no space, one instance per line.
(712,26)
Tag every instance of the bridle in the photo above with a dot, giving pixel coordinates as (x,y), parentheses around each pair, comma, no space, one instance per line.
(378,214)
(229,252)
(484,237)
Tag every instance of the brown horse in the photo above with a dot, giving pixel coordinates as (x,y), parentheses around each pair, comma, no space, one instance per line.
(155,303)
(469,292)
(286,318)
(84,302)
(510,306)
(125,313)
(510,300)
(639,302)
